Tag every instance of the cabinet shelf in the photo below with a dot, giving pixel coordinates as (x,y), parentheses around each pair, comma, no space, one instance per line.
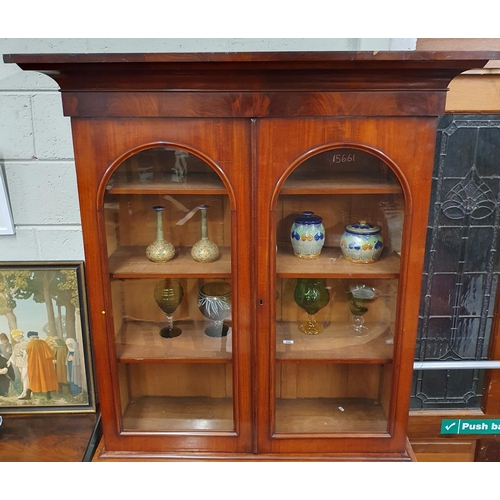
(331,264)
(140,341)
(165,414)
(343,183)
(131,262)
(335,343)
(292,415)
(335,415)
(195,184)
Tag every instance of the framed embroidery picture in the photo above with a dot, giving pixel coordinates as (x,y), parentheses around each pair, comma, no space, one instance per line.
(45,345)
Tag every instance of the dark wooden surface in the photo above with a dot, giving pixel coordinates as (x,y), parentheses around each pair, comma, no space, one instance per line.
(345,58)
(103,455)
(488,449)
(46,438)
(429,445)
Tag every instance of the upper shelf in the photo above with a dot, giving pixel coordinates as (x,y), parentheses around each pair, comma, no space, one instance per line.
(131,262)
(195,183)
(344,183)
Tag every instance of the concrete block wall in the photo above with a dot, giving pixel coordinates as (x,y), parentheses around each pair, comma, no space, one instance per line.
(36,153)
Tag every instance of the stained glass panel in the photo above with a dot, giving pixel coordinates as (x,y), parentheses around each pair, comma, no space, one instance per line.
(462,266)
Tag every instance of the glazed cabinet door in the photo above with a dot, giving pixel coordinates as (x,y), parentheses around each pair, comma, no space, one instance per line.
(171,264)
(337,310)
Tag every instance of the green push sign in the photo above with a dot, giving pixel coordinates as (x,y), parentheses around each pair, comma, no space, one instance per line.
(460,426)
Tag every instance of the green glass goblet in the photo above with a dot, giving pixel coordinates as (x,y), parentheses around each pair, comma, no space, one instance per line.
(312,295)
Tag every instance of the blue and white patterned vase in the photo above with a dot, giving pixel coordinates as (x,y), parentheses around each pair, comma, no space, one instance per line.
(361,242)
(307,235)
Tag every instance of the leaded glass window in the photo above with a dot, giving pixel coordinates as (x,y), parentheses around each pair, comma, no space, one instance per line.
(462,262)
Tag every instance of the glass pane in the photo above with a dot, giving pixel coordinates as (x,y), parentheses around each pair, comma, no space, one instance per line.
(336,293)
(447,389)
(168,233)
(462,262)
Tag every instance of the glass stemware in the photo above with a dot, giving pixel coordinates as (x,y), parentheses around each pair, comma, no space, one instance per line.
(214,302)
(358,297)
(312,295)
(168,295)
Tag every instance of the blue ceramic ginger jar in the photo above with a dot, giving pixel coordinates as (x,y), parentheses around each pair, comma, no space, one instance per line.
(361,242)
(307,235)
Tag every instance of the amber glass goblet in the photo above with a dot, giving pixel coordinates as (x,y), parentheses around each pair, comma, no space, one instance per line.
(312,295)
(214,302)
(168,295)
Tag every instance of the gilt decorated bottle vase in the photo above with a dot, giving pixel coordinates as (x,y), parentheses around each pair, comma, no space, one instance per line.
(160,250)
(204,250)
(361,242)
(307,235)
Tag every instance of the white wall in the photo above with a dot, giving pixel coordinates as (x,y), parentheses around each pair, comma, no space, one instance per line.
(36,151)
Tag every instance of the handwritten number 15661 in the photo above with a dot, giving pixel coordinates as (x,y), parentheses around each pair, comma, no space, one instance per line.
(344,158)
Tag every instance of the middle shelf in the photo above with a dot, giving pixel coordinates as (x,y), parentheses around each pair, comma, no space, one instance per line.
(331,263)
(131,262)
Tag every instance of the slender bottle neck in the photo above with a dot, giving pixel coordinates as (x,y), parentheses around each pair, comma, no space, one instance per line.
(159,225)
(204,231)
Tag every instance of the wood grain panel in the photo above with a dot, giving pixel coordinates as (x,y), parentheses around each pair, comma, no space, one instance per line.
(474,93)
(444,450)
(45,438)
(205,380)
(468,44)
(248,105)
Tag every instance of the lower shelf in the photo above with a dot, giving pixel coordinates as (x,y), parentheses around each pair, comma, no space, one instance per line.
(330,416)
(169,414)
(295,416)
